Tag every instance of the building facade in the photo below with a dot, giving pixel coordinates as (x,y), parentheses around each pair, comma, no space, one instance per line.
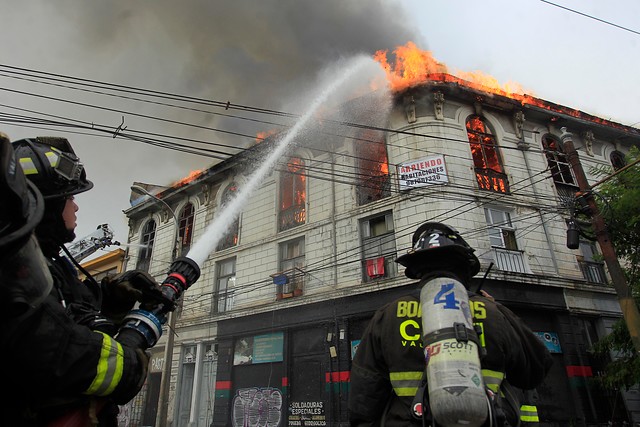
(267,334)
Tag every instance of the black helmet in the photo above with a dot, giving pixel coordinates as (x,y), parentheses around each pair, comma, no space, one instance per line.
(436,246)
(22,203)
(25,280)
(52,165)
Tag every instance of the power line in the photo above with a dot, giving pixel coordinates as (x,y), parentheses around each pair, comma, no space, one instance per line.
(592,17)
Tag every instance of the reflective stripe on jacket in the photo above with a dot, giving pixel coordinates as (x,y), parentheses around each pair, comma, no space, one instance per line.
(110,365)
(529,414)
(405,383)
(388,365)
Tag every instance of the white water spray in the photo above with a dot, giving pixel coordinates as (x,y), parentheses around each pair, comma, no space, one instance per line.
(221,223)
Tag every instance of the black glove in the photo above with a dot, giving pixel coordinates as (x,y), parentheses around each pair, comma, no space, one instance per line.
(120,292)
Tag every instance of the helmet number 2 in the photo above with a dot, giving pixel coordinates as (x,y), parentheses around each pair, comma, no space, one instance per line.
(447,296)
(434,240)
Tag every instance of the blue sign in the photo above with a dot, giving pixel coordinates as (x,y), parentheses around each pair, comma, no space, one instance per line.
(550,340)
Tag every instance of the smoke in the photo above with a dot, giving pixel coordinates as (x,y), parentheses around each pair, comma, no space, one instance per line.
(252,52)
(260,53)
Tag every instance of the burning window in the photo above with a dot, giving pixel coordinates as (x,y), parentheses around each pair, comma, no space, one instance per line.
(293,195)
(230,238)
(186,228)
(147,238)
(557,161)
(373,181)
(486,158)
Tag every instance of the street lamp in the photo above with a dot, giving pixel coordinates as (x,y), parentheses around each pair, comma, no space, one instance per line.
(163,401)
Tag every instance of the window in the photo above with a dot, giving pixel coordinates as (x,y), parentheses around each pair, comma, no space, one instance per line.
(559,166)
(378,247)
(291,267)
(617,160)
(293,195)
(592,270)
(186,228)
(146,240)
(230,238)
(225,285)
(489,171)
(373,182)
(502,236)
(501,231)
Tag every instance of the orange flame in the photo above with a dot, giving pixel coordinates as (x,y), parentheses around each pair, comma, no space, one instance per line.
(261,136)
(184,181)
(414,66)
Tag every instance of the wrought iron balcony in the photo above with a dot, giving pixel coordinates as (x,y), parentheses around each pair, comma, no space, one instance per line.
(292,217)
(593,272)
(510,260)
(490,180)
(289,283)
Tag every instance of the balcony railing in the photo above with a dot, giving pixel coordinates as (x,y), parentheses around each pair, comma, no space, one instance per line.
(593,272)
(292,217)
(490,180)
(510,260)
(289,283)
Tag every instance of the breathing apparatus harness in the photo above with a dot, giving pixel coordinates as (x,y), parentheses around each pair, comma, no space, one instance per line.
(452,390)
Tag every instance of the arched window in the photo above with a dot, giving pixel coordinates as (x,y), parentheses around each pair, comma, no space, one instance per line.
(230,239)
(186,228)
(293,195)
(147,239)
(557,161)
(373,167)
(617,160)
(489,171)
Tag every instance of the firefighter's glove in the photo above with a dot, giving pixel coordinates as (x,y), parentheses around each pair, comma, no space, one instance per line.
(121,291)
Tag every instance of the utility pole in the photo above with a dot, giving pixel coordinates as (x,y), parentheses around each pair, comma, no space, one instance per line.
(165,379)
(625,298)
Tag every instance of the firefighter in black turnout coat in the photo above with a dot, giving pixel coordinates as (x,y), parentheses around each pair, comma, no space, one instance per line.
(62,350)
(389,365)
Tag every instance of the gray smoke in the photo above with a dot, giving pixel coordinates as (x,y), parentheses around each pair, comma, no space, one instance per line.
(260,53)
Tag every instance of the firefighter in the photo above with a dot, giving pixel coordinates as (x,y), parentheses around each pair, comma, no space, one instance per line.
(388,379)
(24,277)
(63,359)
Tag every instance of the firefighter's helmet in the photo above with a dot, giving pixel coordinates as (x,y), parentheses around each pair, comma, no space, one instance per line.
(436,246)
(52,165)
(22,203)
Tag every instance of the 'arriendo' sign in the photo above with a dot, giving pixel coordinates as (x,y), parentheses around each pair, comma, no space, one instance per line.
(418,173)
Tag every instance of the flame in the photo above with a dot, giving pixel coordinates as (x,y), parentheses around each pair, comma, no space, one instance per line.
(413,66)
(184,181)
(261,136)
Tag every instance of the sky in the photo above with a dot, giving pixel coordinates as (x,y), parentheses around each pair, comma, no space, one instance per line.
(86,71)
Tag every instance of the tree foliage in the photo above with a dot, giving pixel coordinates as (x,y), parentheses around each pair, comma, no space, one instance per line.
(619,202)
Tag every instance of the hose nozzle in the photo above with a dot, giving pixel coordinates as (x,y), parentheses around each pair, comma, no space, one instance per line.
(183,273)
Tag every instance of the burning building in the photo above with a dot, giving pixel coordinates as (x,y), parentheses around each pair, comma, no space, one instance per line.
(281,304)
